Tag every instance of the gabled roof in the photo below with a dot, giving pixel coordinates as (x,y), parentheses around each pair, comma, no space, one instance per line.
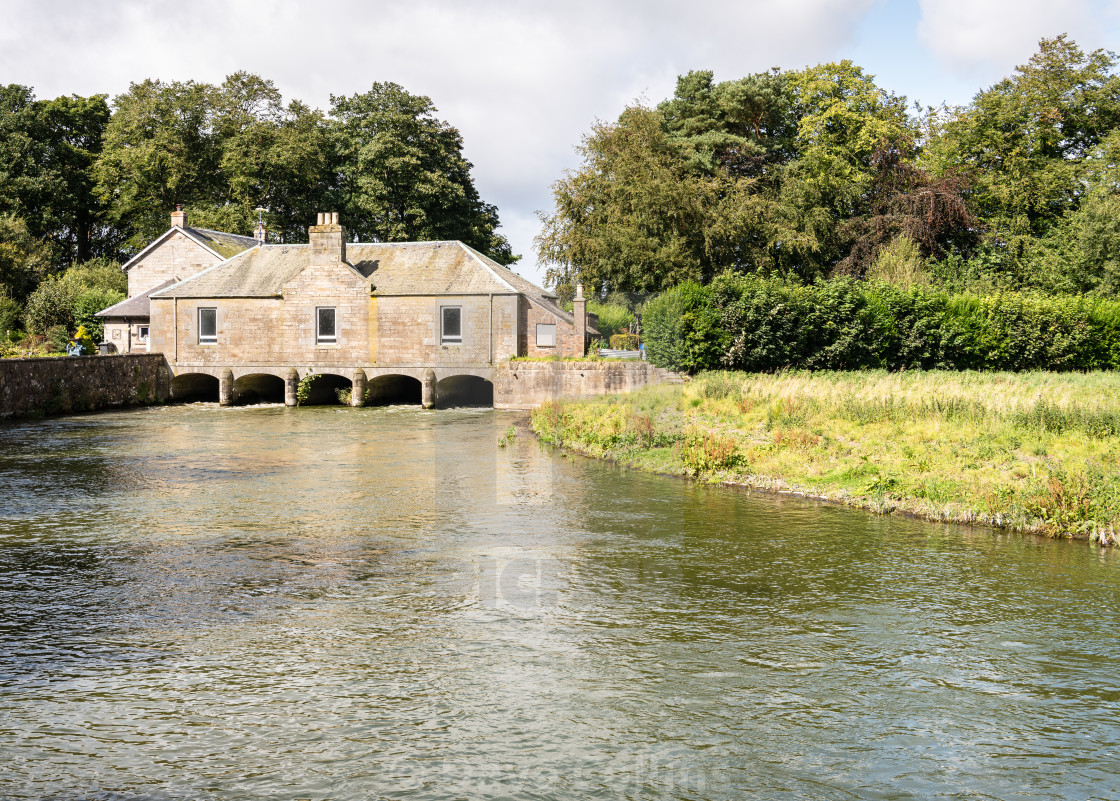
(396,268)
(138,306)
(219,243)
(392,268)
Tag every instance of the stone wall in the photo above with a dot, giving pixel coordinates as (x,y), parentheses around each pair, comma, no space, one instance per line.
(525,385)
(81,383)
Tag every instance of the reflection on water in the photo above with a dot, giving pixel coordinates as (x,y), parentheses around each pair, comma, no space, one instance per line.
(340,603)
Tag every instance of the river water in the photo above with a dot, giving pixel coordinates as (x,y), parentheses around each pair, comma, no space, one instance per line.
(333,603)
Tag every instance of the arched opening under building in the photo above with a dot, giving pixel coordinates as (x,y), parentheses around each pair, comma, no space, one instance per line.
(464,390)
(386,390)
(325,389)
(258,388)
(194,388)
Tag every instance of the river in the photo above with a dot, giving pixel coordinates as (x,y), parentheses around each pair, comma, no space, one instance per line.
(330,603)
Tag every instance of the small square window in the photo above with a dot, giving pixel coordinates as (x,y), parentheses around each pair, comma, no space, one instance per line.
(546,335)
(143,333)
(325,325)
(451,331)
(207,325)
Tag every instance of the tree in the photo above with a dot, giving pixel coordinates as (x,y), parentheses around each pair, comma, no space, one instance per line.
(631,217)
(24,260)
(402,174)
(47,149)
(160,149)
(1024,140)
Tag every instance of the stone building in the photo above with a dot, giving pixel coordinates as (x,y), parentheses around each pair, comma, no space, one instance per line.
(426,319)
(179,253)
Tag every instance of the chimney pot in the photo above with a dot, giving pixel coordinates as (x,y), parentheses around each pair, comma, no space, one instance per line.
(334,218)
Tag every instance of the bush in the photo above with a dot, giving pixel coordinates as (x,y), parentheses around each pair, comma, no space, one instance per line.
(757,324)
(57,338)
(10,313)
(50,305)
(624,341)
(614,318)
(89,303)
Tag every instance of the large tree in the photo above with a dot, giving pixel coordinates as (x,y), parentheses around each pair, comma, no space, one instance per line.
(403,176)
(1024,142)
(47,149)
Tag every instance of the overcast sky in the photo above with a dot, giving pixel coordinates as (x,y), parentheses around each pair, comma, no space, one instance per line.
(523,81)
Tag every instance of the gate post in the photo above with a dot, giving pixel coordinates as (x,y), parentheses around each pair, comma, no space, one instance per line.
(225,387)
(291,383)
(428,389)
(358,388)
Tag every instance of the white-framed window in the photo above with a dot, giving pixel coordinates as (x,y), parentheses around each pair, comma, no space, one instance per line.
(546,335)
(326,325)
(142,333)
(207,325)
(451,325)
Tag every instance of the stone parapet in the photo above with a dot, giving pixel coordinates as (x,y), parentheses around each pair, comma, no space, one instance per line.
(81,383)
(526,385)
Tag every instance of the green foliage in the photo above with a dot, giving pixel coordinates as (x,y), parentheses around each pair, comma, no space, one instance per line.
(756,324)
(91,301)
(24,261)
(403,174)
(624,341)
(57,338)
(614,318)
(10,313)
(303,388)
(683,330)
(51,305)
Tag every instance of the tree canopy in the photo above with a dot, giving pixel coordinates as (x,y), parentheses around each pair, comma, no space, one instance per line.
(819,171)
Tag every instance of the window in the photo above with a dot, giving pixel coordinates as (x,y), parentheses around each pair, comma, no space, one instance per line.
(325,328)
(546,335)
(207,325)
(143,333)
(451,332)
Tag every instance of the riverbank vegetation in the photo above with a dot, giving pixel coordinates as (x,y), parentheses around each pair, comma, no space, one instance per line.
(1032,452)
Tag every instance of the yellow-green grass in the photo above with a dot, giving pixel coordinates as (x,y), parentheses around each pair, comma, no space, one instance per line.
(1037,452)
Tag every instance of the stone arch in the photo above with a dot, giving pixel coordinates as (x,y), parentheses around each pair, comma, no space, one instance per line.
(194,388)
(325,387)
(464,390)
(393,388)
(258,388)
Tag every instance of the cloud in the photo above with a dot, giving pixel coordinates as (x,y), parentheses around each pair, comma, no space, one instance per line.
(986,40)
(522,81)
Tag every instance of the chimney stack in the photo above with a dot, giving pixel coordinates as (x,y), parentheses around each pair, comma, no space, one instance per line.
(178,217)
(262,235)
(328,240)
(579,311)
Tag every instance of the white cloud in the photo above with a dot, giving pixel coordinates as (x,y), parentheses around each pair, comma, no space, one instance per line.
(985,40)
(522,81)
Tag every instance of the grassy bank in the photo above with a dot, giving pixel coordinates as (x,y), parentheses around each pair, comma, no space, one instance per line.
(1036,452)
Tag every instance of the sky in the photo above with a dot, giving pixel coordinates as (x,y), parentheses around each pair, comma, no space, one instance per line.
(525,81)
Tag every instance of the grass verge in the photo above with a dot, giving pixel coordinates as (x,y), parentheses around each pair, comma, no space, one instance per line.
(1032,452)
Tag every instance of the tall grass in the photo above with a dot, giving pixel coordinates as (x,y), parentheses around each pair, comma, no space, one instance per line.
(1028,451)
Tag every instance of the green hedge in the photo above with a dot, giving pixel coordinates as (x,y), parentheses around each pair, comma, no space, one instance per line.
(756,324)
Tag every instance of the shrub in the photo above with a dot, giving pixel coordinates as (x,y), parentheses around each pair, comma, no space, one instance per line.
(10,313)
(757,324)
(624,341)
(614,318)
(50,305)
(57,338)
(89,303)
